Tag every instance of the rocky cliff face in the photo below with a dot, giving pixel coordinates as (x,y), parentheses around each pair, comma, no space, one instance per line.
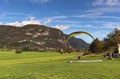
(32,37)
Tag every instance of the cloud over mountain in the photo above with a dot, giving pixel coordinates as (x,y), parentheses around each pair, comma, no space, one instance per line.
(61,27)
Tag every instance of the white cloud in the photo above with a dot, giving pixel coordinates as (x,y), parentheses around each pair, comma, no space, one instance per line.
(47,21)
(104,9)
(97,16)
(59,17)
(0,23)
(99,13)
(111,25)
(61,27)
(105,22)
(31,20)
(89,26)
(55,17)
(98,2)
(90,15)
(69,21)
(82,26)
(112,2)
(14,13)
(14,24)
(40,1)
(109,6)
(106,3)
(101,34)
(2,15)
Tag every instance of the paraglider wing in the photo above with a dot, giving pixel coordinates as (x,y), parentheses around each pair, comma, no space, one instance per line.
(77,33)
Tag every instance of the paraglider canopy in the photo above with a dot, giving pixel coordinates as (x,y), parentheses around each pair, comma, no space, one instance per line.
(77,33)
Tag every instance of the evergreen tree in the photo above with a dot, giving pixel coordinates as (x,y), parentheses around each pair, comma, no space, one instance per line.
(96,46)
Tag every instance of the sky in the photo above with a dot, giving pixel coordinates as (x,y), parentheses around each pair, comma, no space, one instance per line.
(97,17)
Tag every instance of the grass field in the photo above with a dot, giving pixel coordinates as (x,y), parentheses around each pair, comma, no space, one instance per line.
(36,65)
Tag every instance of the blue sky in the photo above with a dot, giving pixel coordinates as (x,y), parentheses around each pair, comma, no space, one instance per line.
(98,17)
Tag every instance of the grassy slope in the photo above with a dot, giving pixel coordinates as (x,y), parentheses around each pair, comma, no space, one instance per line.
(53,66)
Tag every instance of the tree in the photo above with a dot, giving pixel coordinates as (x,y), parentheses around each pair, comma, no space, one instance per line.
(69,50)
(112,39)
(96,46)
(60,50)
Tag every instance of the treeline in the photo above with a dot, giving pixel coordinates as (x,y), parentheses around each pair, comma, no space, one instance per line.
(108,44)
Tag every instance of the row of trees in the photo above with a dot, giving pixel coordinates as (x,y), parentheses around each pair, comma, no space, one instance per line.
(108,44)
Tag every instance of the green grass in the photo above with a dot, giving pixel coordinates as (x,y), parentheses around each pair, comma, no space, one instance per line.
(36,65)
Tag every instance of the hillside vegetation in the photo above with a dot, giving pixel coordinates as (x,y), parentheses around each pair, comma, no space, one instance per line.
(36,38)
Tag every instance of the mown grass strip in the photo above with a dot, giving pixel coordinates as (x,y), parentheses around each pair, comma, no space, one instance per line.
(28,60)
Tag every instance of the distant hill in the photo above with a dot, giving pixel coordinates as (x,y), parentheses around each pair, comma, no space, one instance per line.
(36,37)
(77,43)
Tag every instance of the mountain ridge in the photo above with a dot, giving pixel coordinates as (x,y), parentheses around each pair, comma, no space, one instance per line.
(36,37)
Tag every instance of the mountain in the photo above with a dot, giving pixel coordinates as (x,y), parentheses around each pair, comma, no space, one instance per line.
(78,44)
(36,37)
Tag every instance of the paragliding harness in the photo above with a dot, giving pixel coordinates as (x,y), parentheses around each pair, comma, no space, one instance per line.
(115,54)
(111,55)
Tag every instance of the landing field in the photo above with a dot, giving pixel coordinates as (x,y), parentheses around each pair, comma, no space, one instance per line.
(51,65)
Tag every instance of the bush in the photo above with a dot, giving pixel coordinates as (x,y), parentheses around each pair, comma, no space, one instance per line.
(69,50)
(18,51)
(60,50)
(86,53)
